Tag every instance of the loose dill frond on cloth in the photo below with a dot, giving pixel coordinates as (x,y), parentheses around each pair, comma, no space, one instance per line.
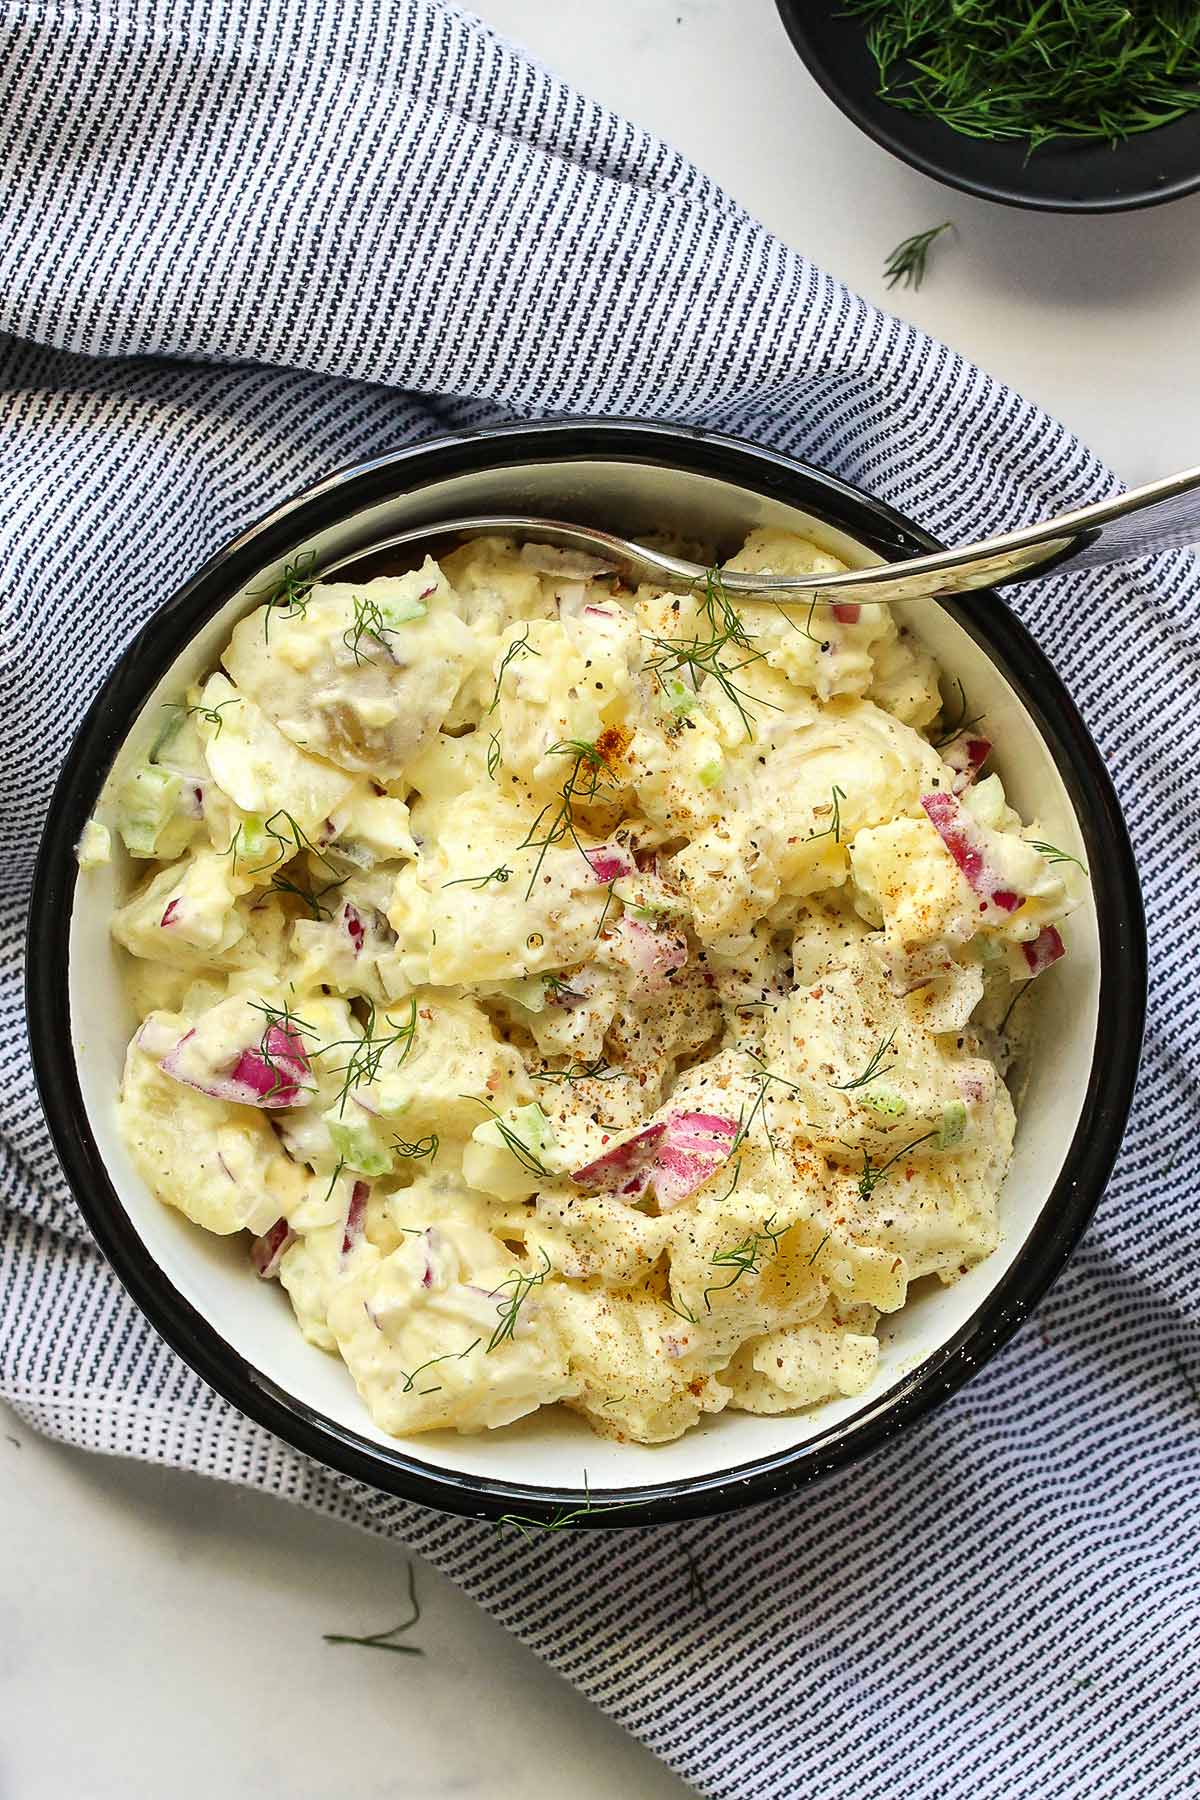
(1037,70)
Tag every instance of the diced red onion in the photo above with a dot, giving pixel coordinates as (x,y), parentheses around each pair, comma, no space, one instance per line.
(1046,948)
(355,929)
(651,954)
(267,1251)
(620,1169)
(356,1216)
(169,916)
(966,756)
(277,1073)
(846,612)
(695,1144)
(967,846)
(610,862)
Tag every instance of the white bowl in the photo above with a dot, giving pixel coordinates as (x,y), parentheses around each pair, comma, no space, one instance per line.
(1086,1012)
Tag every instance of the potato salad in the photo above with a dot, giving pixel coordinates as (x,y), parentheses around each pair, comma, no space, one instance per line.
(579,995)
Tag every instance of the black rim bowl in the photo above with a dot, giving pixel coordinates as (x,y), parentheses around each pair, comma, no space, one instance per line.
(1143,170)
(396,1471)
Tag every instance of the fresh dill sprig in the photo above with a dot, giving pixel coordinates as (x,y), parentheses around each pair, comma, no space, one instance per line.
(312,897)
(291,592)
(382,1640)
(681,1312)
(450,1356)
(338,1166)
(588,769)
(598,1070)
(290,842)
(211,714)
(1008,1012)
(1037,70)
(874,1066)
(521,1151)
(1053,854)
(701,657)
(500,875)
(285,1020)
(833,830)
(908,260)
(766,1078)
(952,729)
(560,1520)
(812,1259)
(872,1173)
(519,647)
(425,1146)
(744,1258)
(493,755)
(560,989)
(368,1051)
(510,1305)
(369,622)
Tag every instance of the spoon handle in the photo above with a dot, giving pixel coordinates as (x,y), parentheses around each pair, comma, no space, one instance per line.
(1159,516)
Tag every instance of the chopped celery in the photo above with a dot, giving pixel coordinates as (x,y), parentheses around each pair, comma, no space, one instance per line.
(886,1102)
(954,1125)
(711,773)
(358,1146)
(148,802)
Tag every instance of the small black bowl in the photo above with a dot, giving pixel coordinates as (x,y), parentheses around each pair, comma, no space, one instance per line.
(1061,177)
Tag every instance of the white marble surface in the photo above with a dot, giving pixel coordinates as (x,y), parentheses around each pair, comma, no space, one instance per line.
(157,1632)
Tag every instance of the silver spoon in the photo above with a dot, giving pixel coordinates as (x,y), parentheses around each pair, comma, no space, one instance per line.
(1160,516)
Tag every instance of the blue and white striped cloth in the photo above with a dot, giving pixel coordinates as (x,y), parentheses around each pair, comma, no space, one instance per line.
(247,241)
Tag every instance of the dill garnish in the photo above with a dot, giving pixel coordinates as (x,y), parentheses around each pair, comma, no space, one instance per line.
(426,1146)
(501,875)
(580,1071)
(562,1519)
(382,1640)
(1037,70)
(290,842)
(743,1258)
(835,829)
(700,656)
(588,769)
(493,755)
(211,714)
(368,1051)
(519,647)
(450,1356)
(509,1306)
(1053,854)
(520,1150)
(812,1259)
(907,261)
(312,897)
(291,592)
(1019,995)
(955,728)
(874,1066)
(873,1174)
(369,622)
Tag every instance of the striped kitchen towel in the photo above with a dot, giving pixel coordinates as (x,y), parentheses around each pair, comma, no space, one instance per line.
(247,241)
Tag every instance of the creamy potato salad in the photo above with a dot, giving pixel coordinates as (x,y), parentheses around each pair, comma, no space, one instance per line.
(579,995)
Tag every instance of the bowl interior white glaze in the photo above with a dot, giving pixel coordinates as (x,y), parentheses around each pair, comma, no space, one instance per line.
(554,1448)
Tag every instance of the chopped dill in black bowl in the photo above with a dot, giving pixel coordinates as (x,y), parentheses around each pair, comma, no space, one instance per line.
(1066,105)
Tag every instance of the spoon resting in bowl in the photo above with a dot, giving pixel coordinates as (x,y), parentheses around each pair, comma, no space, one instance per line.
(1162,515)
